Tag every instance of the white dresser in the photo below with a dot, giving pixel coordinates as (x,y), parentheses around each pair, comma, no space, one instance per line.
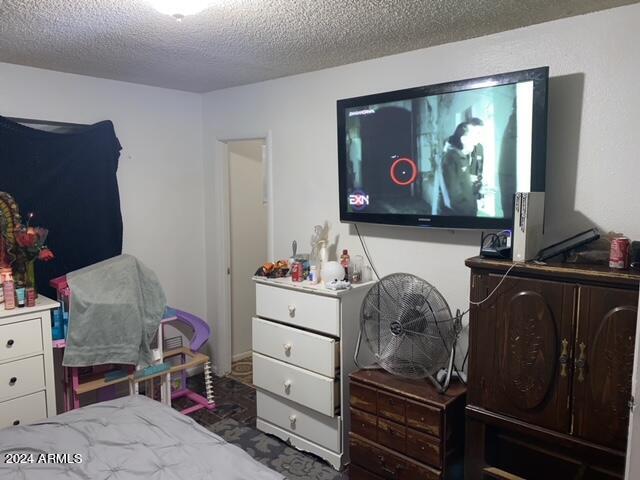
(304,337)
(27,388)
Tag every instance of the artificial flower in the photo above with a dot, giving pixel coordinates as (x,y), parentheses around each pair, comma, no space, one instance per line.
(46,255)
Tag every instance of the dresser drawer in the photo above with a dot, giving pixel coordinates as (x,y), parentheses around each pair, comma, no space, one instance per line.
(391,407)
(424,447)
(311,351)
(425,418)
(21,377)
(388,464)
(314,391)
(364,398)
(320,429)
(392,435)
(364,424)
(315,312)
(358,473)
(23,410)
(20,338)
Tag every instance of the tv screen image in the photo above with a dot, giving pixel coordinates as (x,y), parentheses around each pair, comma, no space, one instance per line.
(450,155)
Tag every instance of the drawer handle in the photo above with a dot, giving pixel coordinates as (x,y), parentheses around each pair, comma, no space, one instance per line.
(287,349)
(292,420)
(10,343)
(292,310)
(389,470)
(287,387)
(16,423)
(12,381)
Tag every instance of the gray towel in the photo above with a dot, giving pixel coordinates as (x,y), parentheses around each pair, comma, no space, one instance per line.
(114,312)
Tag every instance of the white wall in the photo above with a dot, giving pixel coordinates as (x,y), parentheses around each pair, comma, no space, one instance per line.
(593,163)
(160,169)
(248,222)
(593,160)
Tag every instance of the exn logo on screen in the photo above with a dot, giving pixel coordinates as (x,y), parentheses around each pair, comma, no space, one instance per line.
(359,200)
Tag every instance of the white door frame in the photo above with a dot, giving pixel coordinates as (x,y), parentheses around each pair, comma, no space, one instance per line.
(222,343)
(632,467)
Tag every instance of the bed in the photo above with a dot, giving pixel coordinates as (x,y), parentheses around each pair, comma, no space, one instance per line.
(131,437)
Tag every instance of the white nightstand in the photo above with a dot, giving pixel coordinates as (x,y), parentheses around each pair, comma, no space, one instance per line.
(27,387)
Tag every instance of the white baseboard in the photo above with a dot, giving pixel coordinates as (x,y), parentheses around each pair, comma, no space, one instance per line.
(241,356)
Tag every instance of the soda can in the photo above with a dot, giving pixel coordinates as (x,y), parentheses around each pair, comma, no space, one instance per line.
(297,274)
(619,253)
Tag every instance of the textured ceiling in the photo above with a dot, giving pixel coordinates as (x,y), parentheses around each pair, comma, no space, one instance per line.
(236,42)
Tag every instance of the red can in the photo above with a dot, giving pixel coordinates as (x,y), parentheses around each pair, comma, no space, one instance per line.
(297,274)
(619,253)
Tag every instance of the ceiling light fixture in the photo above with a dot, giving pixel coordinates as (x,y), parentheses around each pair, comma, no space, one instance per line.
(180,8)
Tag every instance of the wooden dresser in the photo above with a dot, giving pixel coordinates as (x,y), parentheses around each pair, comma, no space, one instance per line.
(550,364)
(404,429)
(27,388)
(304,336)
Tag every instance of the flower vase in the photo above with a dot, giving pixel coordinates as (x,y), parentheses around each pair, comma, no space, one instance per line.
(20,274)
(30,277)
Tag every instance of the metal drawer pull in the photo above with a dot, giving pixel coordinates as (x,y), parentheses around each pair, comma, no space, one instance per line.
(564,358)
(287,386)
(12,381)
(10,343)
(581,363)
(287,349)
(292,420)
(16,423)
(292,310)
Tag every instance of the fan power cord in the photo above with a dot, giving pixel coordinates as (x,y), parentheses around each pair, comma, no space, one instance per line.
(504,277)
(460,316)
(466,355)
(366,251)
(373,366)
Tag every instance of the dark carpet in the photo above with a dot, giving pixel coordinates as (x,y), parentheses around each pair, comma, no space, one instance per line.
(274,453)
(234,419)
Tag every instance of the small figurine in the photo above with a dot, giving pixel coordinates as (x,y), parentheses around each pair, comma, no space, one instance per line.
(338,285)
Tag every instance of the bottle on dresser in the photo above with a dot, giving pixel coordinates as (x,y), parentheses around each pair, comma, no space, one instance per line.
(8,289)
(345,260)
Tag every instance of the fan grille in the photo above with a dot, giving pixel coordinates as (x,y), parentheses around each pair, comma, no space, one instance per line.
(407,324)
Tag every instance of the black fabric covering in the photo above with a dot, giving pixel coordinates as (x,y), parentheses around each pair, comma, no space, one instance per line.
(68,180)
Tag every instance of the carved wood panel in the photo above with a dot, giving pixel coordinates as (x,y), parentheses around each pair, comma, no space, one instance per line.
(518,368)
(529,353)
(602,383)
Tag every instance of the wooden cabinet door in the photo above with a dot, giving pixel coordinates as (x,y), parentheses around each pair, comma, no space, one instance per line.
(604,350)
(519,338)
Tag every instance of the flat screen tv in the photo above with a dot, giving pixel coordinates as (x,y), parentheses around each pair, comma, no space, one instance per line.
(450,155)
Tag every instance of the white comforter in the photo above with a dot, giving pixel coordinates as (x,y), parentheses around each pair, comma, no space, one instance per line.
(127,438)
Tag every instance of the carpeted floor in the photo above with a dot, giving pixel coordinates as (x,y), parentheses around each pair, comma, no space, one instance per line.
(242,370)
(234,419)
(275,454)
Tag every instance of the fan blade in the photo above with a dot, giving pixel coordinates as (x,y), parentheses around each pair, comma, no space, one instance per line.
(390,347)
(422,334)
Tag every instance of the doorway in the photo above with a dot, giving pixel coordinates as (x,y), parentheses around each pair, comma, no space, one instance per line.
(248,227)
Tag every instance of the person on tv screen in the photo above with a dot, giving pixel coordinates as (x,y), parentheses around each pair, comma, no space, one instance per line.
(462,170)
